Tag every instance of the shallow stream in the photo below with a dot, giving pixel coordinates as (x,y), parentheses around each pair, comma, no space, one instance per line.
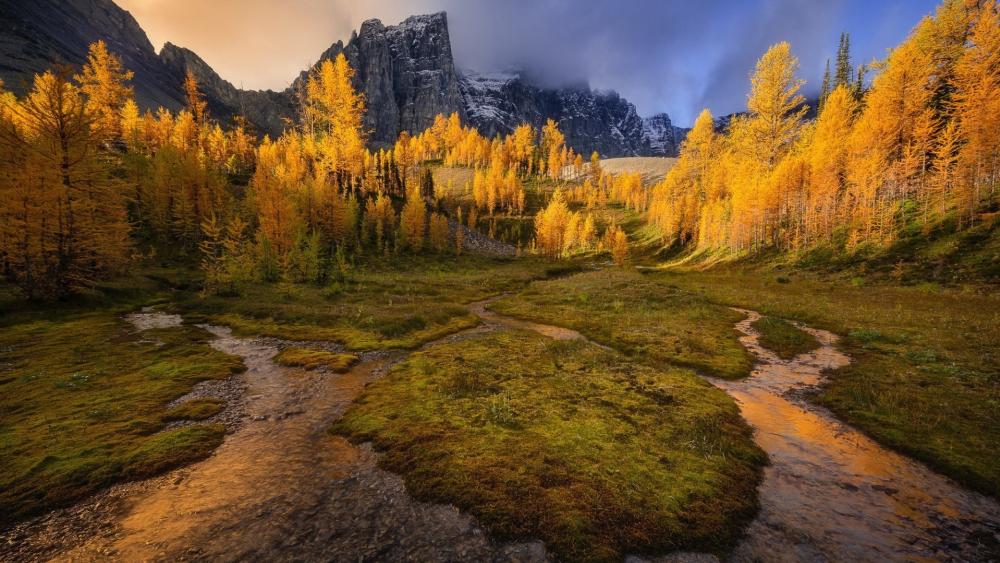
(833,494)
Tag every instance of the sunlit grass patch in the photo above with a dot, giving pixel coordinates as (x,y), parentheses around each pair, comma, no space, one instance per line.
(653,322)
(562,441)
(313,359)
(783,338)
(381,305)
(195,409)
(351,336)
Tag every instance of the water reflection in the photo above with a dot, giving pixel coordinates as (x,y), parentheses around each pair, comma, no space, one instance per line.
(831,493)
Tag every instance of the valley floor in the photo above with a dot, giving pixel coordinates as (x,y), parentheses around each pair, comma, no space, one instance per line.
(534,436)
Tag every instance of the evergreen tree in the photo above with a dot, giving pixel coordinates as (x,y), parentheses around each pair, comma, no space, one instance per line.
(858,89)
(824,90)
(843,77)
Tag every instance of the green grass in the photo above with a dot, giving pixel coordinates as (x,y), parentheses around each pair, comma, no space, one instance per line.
(312,359)
(399,303)
(641,317)
(83,400)
(783,338)
(940,256)
(562,441)
(195,409)
(925,375)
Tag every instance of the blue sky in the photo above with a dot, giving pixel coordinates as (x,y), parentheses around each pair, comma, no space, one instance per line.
(664,56)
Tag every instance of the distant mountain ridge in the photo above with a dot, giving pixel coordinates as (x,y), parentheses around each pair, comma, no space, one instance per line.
(406,72)
(592,121)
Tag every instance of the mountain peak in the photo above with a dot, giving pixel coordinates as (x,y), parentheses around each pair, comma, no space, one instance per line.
(436,18)
(372,25)
(406,73)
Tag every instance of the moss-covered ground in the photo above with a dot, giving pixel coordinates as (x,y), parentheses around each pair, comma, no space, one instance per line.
(647,320)
(595,454)
(83,403)
(83,396)
(783,338)
(337,362)
(398,303)
(195,409)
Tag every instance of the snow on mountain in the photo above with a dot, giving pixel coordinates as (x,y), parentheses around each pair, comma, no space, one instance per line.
(484,98)
(658,132)
(497,102)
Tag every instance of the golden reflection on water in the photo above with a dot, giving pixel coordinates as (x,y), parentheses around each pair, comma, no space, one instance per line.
(272,465)
(830,491)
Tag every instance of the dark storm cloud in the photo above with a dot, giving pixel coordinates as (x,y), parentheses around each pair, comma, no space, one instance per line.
(664,56)
(676,57)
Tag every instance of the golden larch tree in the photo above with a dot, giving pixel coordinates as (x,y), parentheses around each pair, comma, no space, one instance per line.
(62,212)
(104,81)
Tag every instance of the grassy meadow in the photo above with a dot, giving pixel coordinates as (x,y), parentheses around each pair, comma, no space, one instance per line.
(560,440)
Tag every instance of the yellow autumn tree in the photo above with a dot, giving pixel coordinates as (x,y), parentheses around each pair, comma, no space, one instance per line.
(439,233)
(552,148)
(616,242)
(281,170)
(459,233)
(133,127)
(104,82)
(195,100)
(333,113)
(63,224)
(677,201)
(759,141)
(828,164)
(379,220)
(413,221)
(550,225)
(977,113)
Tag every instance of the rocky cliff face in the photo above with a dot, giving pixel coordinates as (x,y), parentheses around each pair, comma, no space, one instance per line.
(406,72)
(35,34)
(268,111)
(605,122)
(663,137)
(660,135)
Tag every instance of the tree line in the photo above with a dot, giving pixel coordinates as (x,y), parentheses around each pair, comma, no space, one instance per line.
(919,147)
(90,183)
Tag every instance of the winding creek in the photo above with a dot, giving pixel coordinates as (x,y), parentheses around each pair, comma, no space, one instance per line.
(833,494)
(280,486)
